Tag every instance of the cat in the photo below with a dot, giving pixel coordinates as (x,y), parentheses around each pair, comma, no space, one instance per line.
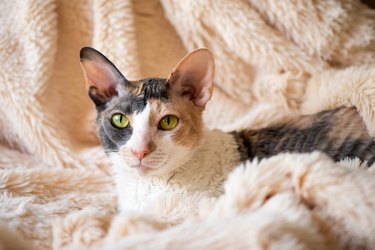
(154,134)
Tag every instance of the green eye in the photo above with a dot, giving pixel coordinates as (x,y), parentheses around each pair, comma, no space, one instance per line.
(168,122)
(119,120)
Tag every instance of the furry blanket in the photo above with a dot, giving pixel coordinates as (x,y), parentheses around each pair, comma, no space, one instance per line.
(275,59)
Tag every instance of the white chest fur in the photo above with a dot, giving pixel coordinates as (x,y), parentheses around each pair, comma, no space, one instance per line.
(177,193)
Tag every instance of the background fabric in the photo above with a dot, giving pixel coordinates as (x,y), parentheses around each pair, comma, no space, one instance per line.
(274,60)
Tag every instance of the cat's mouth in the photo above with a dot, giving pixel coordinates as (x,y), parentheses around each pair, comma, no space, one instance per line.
(143,169)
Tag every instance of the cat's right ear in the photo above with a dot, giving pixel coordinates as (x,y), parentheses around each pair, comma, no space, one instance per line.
(103,79)
(193,77)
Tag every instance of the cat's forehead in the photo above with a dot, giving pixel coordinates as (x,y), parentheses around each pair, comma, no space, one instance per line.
(139,93)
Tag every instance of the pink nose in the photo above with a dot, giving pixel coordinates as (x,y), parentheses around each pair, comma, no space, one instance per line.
(140,153)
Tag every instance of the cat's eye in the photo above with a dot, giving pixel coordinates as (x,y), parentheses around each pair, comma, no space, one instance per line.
(168,122)
(119,120)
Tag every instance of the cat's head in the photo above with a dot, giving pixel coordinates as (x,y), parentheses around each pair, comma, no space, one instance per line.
(151,126)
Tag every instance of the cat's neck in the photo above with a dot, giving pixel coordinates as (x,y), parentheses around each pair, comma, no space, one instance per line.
(203,173)
(214,156)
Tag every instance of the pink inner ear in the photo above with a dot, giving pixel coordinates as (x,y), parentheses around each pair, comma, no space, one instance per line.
(203,98)
(101,77)
(194,76)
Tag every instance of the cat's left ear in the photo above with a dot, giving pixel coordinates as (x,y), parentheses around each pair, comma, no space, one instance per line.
(103,79)
(194,77)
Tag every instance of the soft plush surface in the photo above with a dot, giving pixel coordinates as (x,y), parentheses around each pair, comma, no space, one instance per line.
(274,59)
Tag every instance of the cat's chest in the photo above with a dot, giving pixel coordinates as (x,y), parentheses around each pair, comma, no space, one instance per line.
(201,177)
(146,194)
(163,197)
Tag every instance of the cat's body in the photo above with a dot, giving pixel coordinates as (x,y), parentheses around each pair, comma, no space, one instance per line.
(165,160)
(340,133)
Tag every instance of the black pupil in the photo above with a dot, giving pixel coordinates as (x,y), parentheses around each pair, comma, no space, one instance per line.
(120,118)
(168,120)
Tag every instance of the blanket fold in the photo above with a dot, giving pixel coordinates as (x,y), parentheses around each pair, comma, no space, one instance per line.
(274,60)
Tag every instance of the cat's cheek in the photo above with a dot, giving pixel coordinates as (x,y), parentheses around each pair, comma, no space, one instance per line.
(177,157)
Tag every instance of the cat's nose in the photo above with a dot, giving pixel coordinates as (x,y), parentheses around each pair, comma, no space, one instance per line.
(140,153)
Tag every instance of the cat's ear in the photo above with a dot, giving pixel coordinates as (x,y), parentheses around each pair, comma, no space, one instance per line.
(103,79)
(194,76)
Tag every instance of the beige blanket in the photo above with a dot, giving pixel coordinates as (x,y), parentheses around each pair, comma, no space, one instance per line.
(275,59)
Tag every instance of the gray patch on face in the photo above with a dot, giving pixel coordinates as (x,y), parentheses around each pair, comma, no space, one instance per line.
(155,88)
(113,138)
(128,104)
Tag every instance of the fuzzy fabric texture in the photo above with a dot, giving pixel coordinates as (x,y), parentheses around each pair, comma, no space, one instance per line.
(274,60)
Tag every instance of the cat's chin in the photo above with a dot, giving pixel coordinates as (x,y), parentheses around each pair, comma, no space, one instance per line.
(139,168)
(143,170)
